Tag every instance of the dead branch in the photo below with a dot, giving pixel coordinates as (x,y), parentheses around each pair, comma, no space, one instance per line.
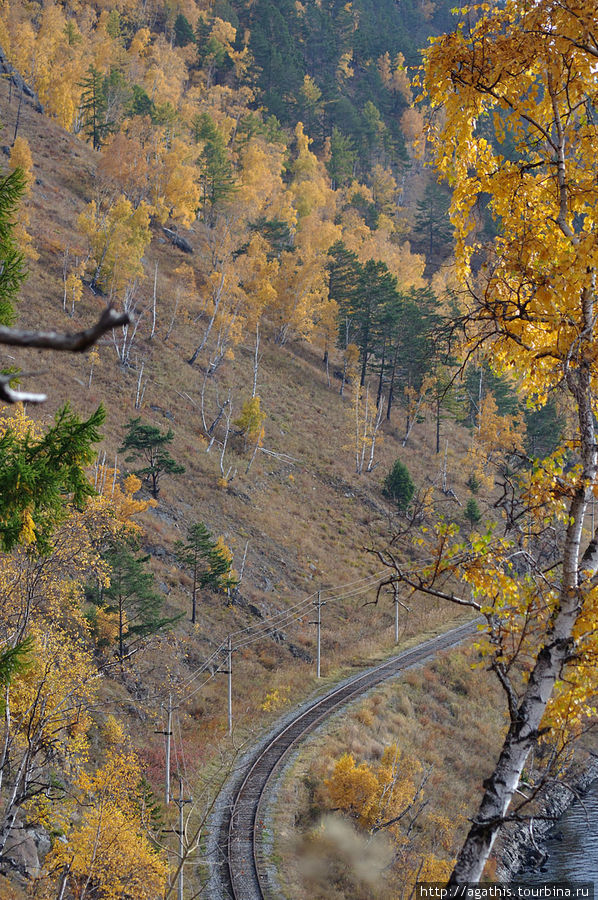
(9,395)
(73,342)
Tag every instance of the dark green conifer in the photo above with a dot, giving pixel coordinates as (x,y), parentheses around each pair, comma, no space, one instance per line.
(183,32)
(40,476)
(148,443)
(12,267)
(472,512)
(398,485)
(341,165)
(217,179)
(94,106)
(209,565)
(131,597)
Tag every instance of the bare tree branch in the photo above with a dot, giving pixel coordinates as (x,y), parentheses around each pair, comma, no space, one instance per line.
(9,395)
(74,342)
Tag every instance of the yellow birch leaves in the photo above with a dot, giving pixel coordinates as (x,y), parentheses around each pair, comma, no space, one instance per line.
(108,848)
(117,236)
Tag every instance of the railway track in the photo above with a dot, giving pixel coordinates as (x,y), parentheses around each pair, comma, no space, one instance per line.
(241,872)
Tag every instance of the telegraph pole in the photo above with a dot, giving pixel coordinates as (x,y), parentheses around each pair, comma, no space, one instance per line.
(167,734)
(319,603)
(229,672)
(181,804)
(319,633)
(168,737)
(397,603)
(230,685)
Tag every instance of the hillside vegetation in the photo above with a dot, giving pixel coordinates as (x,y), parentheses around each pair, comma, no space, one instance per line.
(284,258)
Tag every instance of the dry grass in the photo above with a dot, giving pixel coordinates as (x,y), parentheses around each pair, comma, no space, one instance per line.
(306,522)
(448,717)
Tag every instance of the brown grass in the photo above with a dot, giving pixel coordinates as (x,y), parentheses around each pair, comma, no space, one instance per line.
(307,521)
(446,715)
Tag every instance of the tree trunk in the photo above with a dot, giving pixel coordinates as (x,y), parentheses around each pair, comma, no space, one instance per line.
(556,651)
(121,650)
(381,379)
(363,369)
(194,600)
(391,385)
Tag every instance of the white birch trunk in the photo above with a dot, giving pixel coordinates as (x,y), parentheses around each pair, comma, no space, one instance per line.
(553,656)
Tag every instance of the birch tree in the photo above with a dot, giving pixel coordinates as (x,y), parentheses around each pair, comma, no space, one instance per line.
(526,71)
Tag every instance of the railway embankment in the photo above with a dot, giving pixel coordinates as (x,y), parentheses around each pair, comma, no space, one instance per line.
(237,843)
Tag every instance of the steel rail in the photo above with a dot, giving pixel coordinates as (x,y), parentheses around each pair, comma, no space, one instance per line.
(243,873)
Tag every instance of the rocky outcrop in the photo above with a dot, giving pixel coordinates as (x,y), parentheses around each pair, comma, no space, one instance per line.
(521,845)
(178,241)
(19,82)
(24,852)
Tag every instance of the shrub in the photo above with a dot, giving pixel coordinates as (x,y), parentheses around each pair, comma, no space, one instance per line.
(472,512)
(398,485)
(473,483)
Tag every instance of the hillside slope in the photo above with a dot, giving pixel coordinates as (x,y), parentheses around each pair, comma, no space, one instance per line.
(297,522)
(304,514)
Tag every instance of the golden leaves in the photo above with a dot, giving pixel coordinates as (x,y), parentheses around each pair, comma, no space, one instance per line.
(118,235)
(496,436)
(373,795)
(109,848)
(522,72)
(276,699)
(116,505)
(49,699)
(251,421)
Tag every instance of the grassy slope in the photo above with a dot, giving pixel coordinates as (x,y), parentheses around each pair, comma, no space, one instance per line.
(446,717)
(305,523)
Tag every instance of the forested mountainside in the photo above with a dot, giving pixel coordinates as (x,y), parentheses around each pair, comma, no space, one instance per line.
(248,183)
(341,68)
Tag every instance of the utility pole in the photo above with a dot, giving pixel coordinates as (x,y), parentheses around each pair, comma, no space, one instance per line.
(181,804)
(319,603)
(397,603)
(230,685)
(153,331)
(168,735)
(229,671)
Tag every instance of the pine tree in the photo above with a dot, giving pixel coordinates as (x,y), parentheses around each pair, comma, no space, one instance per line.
(207,560)
(472,512)
(398,485)
(343,156)
(41,473)
(217,180)
(377,292)
(148,443)
(344,271)
(275,49)
(416,346)
(12,270)
(432,222)
(183,32)
(544,429)
(94,106)
(130,598)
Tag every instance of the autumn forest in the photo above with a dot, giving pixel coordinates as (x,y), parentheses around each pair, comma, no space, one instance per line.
(297,320)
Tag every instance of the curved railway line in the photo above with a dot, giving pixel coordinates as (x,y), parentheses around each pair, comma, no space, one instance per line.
(241,871)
